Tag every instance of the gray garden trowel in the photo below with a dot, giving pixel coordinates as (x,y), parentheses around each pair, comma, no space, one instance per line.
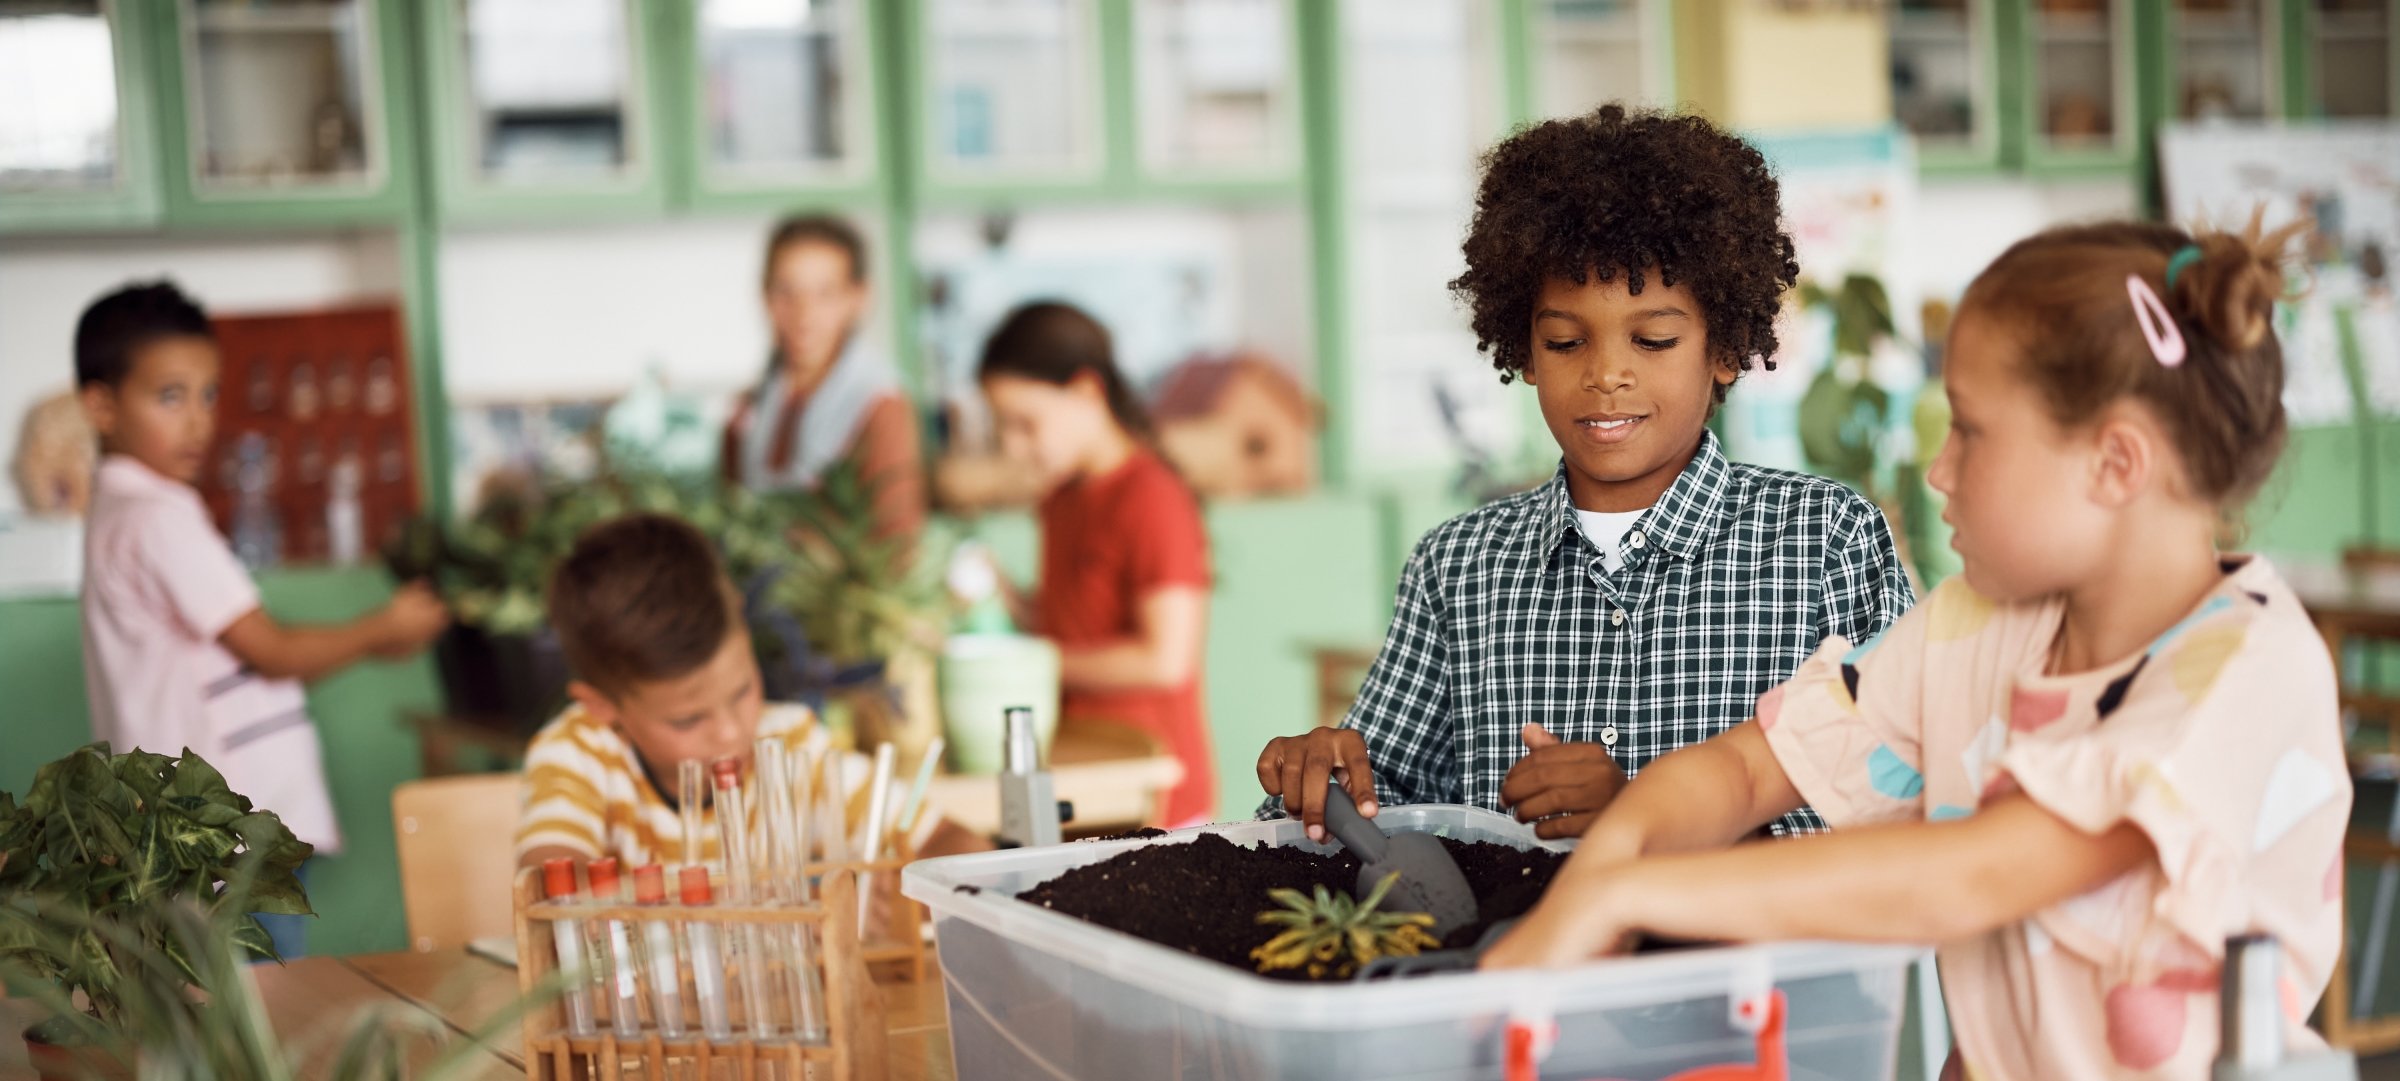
(1429,879)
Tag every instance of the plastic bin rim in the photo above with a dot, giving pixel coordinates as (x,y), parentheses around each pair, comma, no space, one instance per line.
(1255,1000)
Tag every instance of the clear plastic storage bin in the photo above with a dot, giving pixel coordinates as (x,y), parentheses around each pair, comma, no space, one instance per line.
(1039,995)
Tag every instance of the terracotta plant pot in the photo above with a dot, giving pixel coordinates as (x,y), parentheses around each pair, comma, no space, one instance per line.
(72,1062)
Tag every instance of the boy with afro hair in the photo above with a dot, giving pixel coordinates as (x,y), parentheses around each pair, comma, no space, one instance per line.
(1628,265)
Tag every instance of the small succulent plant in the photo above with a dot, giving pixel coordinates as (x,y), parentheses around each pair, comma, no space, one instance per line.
(1331,934)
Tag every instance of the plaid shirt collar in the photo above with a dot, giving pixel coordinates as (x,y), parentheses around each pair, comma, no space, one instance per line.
(1686,517)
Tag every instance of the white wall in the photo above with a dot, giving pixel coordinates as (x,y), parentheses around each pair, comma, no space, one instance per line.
(46,283)
(580,311)
(1957,227)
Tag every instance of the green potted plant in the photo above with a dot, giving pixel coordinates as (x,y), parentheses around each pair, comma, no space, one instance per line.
(861,616)
(98,864)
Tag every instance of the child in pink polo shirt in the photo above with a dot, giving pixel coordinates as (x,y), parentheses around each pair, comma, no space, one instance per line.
(177,652)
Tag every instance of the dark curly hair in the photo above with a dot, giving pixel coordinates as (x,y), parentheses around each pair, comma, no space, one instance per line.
(1628,190)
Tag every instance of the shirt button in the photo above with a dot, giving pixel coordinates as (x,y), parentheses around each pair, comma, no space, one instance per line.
(1608,735)
(1634,539)
(1616,618)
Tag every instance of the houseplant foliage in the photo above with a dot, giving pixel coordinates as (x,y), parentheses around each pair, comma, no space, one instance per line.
(839,615)
(1844,413)
(860,617)
(133,881)
(91,860)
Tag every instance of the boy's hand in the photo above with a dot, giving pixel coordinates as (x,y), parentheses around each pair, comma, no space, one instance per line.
(1297,767)
(1560,787)
(414,616)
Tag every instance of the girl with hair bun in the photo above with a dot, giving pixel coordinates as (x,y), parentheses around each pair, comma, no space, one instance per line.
(2080,765)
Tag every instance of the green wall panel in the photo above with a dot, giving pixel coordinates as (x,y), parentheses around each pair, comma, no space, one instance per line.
(359,713)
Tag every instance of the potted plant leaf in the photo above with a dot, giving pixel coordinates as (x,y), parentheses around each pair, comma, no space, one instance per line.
(869,617)
(98,863)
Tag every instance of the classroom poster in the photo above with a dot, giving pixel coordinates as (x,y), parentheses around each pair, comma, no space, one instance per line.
(2343,178)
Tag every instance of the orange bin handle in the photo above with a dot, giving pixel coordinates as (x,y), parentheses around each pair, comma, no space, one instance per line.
(1524,1047)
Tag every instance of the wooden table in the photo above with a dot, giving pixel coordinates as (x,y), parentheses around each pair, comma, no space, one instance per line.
(1115,775)
(316,1000)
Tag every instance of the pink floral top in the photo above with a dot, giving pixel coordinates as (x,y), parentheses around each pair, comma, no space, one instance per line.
(2221,741)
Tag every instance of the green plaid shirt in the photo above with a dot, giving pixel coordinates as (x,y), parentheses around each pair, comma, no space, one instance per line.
(1507,615)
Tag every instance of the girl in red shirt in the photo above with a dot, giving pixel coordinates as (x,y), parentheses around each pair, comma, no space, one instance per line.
(1124,585)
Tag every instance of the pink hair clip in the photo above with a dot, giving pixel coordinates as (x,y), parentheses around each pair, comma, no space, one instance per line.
(2158,326)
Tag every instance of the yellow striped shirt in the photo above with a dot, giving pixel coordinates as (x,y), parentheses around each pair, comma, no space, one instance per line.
(585,789)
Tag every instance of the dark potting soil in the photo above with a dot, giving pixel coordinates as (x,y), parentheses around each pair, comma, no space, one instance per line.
(1204,896)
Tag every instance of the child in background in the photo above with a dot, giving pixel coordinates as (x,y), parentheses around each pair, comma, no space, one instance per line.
(663,673)
(2083,764)
(1630,266)
(177,652)
(1124,586)
(826,396)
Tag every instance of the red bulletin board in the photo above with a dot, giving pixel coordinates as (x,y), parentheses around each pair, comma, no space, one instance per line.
(316,386)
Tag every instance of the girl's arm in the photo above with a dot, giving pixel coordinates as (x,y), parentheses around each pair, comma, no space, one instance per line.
(1905,882)
(1163,653)
(1019,603)
(1707,795)
(892,463)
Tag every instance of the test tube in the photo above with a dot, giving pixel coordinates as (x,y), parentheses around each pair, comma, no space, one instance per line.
(708,964)
(666,979)
(906,824)
(787,872)
(879,793)
(733,841)
(558,883)
(691,791)
(833,800)
(625,1010)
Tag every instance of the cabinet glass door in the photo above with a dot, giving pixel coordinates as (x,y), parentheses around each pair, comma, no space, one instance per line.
(1217,86)
(277,97)
(785,92)
(1013,90)
(2352,57)
(2080,86)
(72,143)
(1941,79)
(2222,60)
(1588,53)
(552,92)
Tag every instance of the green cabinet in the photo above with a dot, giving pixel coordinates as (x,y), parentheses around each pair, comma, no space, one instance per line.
(1945,85)
(77,147)
(286,113)
(2341,58)
(548,109)
(2078,86)
(2078,95)
(1027,100)
(1216,92)
(2041,86)
(2222,60)
(1582,54)
(775,101)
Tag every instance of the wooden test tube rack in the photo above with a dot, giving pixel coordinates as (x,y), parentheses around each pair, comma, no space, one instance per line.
(855,1048)
(901,940)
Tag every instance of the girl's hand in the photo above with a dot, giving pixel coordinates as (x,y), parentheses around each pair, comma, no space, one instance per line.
(1567,928)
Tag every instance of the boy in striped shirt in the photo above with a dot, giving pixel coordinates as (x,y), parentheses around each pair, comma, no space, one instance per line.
(663,673)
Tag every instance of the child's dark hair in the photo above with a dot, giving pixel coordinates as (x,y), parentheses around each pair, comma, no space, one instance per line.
(817,229)
(640,598)
(1053,343)
(2063,300)
(120,324)
(1628,191)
